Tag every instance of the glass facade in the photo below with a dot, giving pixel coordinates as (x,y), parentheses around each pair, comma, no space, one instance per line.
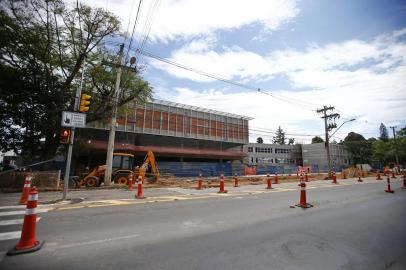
(179,120)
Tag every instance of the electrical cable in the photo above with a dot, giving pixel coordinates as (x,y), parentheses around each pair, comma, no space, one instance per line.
(133,31)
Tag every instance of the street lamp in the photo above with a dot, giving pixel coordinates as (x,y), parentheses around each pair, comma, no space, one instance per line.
(341,126)
(328,146)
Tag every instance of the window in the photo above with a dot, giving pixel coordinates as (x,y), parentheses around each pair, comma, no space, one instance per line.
(250,149)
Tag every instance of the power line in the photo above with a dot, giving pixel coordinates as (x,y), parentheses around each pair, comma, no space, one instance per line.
(134,27)
(292,101)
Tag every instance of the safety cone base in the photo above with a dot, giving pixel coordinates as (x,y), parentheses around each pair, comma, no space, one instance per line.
(360,180)
(389,191)
(269,188)
(140,197)
(305,205)
(236,185)
(224,191)
(15,251)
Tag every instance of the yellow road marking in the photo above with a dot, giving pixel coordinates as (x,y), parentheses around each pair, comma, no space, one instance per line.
(121,202)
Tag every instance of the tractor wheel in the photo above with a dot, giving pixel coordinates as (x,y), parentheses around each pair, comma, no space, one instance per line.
(121,179)
(92,181)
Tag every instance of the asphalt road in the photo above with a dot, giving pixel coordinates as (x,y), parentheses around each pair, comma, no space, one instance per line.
(349,227)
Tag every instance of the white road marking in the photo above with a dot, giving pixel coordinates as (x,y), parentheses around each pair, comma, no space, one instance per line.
(15,213)
(13,221)
(13,207)
(10,235)
(95,242)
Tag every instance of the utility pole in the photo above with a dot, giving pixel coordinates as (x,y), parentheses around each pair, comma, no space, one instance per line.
(394,141)
(116,95)
(112,133)
(72,136)
(329,124)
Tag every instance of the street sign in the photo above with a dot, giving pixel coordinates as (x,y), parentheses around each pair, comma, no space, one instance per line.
(73,119)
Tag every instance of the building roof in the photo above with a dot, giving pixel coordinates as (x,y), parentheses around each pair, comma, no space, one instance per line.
(199,109)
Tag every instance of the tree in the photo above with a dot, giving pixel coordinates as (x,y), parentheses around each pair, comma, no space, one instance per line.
(279,138)
(383,133)
(42,50)
(291,141)
(401,132)
(260,140)
(358,147)
(317,139)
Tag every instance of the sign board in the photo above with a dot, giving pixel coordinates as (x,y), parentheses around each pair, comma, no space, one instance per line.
(73,119)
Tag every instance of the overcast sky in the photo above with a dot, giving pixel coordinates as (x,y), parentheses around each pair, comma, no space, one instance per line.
(350,54)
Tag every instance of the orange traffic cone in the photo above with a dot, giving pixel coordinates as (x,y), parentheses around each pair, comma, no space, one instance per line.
(344,175)
(199,182)
(222,190)
(404,181)
(306,178)
(388,189)
(303,203)
(393,175)
(26,188)
(28,240)
(378,176)
(236,181)
(130,182)
(359,178)
(334,176)
(140,193)
(276,178)
(269,182)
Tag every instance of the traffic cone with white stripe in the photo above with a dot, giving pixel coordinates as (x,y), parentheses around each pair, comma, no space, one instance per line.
(388,189)
(359,177)
(276,178)
(28,240)
(334,176)
(222,190)
(26,188)
(269,182)
(199,182)
(140,193)
(130,181)
(378,176)
(303,203)
(236,181)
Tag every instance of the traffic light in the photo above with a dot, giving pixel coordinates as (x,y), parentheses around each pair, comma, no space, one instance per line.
(64,137)
(84,103)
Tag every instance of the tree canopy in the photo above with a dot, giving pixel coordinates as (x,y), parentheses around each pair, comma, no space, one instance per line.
(260,140)
(279,137)
(43,48)
(359,148)
(317,139)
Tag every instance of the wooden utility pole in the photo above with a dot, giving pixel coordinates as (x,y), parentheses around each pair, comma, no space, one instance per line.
(329,124)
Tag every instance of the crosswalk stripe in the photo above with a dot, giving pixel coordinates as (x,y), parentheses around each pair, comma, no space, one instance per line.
(15,213)
(13,221)
(13,207)
(10,235)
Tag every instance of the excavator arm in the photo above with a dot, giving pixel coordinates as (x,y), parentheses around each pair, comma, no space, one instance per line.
(149,161)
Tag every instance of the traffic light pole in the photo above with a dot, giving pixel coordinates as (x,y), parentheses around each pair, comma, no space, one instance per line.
(112,133)
(72,136)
